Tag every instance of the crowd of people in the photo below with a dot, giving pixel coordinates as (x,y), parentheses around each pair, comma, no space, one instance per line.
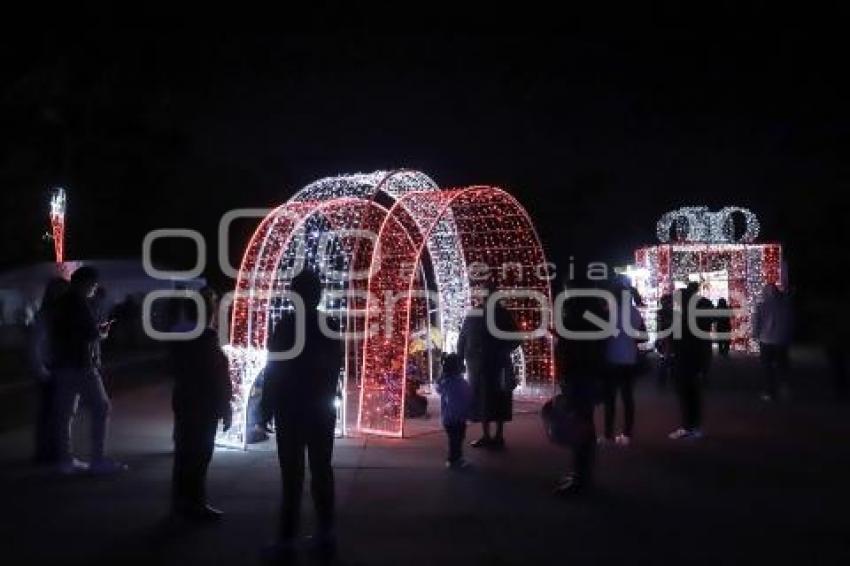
(597,371)
(298,393)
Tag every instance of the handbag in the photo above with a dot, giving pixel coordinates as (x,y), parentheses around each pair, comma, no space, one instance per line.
(562,423)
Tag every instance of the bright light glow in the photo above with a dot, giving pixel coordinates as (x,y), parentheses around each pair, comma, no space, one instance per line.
(699,224)
(58,200)
(427,238)
(728,270)
(284,241)
(493,230)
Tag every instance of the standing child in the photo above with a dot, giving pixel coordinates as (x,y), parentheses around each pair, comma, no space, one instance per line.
(455,399)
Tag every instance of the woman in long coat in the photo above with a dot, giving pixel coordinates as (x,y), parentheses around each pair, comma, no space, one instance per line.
(488,362)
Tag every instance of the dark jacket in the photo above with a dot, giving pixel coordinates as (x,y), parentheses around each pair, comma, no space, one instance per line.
(73,333)
(723,323)
(202,387)
(485,356)
(580,364)
(455,399)
(664,345)
(306,385)
(693,352)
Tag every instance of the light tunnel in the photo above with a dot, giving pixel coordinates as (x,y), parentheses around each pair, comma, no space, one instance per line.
(382,235)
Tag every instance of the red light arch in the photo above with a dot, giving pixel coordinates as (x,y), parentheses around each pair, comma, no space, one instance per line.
(493,230)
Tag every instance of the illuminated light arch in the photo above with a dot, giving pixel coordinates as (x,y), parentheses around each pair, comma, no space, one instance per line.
(394,183)
(443,248)
(493,229)
(275,241)
(478,224)
(262,255)
(259,281)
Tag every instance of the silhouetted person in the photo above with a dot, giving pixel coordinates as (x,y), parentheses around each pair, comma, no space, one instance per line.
(490,371)
(723,326)
(41,357)
(74,332)
(580,366)
(664,342)
(200,400)
(621,356)
(691,354)
(303,390)
(97,305)
(455,399)
(772,328)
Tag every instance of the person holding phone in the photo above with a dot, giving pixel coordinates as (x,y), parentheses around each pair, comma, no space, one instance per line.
(74,334)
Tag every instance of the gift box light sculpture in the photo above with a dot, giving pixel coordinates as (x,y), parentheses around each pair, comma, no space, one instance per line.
(701,245)
(380,241)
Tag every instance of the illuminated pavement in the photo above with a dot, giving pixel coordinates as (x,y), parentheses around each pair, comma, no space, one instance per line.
(769,483)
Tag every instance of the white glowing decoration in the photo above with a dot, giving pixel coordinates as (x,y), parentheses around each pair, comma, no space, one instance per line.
(705,250)
(443,247)
(58,201)
(314,229)
(367,185)
(492,229)
(699,224)
(344,255)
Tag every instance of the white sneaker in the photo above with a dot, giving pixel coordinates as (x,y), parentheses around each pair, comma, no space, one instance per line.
(696,434)
(457,465)
(566,479)
(72,467)
(603,441)
(623,440)
(106,467)
(678,434)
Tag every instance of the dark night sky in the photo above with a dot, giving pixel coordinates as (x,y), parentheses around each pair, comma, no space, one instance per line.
(597,136)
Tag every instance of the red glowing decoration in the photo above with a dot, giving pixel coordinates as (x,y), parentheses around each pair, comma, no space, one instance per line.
(427,240)
(735,271)
(58,200)
(495,233)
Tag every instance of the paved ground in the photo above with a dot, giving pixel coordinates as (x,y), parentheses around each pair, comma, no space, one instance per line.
(769,483)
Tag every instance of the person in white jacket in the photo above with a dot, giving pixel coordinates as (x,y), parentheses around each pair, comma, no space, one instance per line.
(772,329)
